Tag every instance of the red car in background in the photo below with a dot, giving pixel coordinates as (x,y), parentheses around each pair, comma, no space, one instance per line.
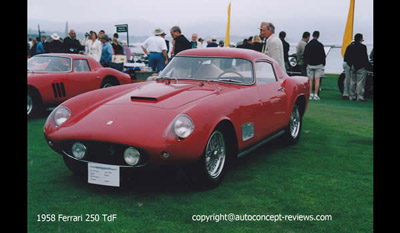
(206,107)
(54,78)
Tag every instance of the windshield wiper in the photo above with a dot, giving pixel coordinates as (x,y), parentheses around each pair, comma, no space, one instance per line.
(226,80)
(166,78)
(163,78)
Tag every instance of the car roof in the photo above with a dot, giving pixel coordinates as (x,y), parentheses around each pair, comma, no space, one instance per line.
(71,55)
(225,52)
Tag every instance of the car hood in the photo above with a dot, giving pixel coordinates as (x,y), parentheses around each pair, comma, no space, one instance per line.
(133,115)
(165,95)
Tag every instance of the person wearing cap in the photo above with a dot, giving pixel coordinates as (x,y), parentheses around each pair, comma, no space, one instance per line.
(156,49)
(106,52)
(55,45)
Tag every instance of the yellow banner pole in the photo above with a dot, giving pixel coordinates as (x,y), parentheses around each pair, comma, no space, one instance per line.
(228,26)
(348,31)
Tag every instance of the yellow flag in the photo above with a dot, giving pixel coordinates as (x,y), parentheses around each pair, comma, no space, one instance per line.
(228,26)
(348,31)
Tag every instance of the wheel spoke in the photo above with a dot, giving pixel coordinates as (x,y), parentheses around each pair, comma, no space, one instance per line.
(215,154)
(29,104)
(295,122)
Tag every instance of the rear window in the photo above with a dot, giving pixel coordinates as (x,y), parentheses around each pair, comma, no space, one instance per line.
(49,64)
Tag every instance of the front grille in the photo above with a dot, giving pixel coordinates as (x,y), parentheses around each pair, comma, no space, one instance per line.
(103,152)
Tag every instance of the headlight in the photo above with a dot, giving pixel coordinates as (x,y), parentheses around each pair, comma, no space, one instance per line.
(131,156)
(78,150)
(61,114)
(183,126)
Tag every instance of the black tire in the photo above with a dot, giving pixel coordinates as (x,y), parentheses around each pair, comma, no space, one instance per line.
(209,171)
(33,104)
(109,82)
(293,130)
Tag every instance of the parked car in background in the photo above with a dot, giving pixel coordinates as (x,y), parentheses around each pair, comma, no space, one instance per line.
(206,107)
(54,78)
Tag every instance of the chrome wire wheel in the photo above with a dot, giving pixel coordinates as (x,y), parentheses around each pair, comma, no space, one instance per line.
(107,85)
(29,105)
(295,122)
(215,154)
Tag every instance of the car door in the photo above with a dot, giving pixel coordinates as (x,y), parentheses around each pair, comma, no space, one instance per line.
(272,98)
(81,79)
(59,69)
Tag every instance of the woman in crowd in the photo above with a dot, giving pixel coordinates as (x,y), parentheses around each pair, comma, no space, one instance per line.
(94,47)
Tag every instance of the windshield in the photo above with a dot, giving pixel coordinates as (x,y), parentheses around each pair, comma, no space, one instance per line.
(232,70)
(49,64)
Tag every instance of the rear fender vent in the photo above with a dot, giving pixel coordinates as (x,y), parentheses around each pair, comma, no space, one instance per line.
(58,90)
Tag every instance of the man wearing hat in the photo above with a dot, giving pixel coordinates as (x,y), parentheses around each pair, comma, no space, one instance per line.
(156,49)
(106,52)
(55,45)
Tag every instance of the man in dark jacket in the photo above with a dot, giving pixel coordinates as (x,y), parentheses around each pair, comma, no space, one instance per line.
(71,44)
(55,45)
(181,43)
(357,58)
(314,60)
(286,47)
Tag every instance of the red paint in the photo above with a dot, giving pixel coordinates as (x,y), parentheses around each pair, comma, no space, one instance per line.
(74,83)
(142,113)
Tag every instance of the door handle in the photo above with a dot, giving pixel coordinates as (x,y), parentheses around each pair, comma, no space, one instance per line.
(281,89)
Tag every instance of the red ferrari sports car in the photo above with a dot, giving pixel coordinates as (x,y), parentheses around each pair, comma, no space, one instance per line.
(54,78)
(206,107)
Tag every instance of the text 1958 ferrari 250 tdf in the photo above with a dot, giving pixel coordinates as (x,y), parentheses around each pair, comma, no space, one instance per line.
(54,78)
(206,107)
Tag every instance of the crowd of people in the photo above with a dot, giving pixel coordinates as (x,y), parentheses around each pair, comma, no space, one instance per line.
(355,65)
(96,45)
(311,57)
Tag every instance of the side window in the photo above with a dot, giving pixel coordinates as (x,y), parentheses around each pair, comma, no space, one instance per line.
(264,73)
(81,65)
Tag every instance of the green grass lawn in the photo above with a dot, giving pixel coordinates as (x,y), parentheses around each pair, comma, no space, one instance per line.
(329,172)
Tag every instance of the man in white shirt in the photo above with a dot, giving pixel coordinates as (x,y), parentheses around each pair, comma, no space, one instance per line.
(156,48)
(273,46)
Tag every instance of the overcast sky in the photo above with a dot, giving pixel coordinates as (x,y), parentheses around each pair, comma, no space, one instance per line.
(206,17)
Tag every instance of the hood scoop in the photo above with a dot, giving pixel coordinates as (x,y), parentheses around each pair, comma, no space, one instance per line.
(163,96)
(143,99)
